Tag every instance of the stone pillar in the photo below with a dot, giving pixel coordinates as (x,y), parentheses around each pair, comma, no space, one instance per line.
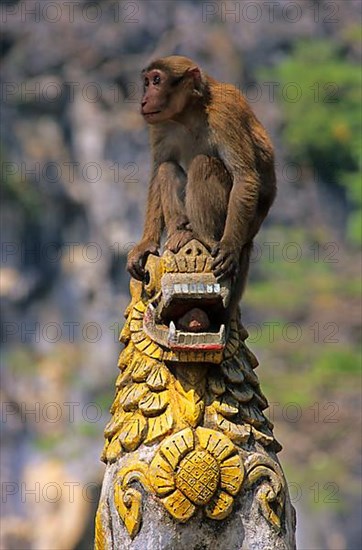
(191,460)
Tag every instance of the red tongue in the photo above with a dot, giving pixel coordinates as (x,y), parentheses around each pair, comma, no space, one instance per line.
(194,320)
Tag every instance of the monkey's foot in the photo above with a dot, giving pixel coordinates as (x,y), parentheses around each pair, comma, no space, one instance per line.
(226,260)
(178,239)
(137,258)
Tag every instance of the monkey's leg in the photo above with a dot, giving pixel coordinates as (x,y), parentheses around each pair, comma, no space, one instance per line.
(172,181)
(207,196)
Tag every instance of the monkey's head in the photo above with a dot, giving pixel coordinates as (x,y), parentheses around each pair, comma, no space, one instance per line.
(171,85)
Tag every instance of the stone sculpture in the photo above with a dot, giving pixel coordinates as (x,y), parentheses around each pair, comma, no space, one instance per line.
(191,457)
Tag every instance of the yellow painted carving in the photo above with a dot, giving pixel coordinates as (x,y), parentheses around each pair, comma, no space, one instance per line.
(100,541)
(272,489)
(190,405)
(133,428)
(113,450)
(142,367)
(179,506)
(128,504)
(218,445)
(158,378)
(158,427)
(131,395)
(152,404)
(220,507)
(198,476)
(125,357)
(128,501)
(175,447)
(161,475)
(231,474)
(199,411)
(226,405)
(200,468)
(238,433)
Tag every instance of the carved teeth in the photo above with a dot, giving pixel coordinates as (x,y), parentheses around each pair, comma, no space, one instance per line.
(195,288)
(226,299)
(183,338)
(172,331)
(186,288)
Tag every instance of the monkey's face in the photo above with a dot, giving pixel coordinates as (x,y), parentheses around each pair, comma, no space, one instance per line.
(164,97)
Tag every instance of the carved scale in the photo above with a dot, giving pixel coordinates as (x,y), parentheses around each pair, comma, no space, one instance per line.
(190,456)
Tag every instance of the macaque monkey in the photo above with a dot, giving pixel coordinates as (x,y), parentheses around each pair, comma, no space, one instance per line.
(213,173)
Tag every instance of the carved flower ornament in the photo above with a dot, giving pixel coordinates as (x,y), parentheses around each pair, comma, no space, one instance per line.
(194,469)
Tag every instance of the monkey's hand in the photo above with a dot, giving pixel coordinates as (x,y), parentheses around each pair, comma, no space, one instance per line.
(178,239)
(183,223)
(226,260)
(137,257)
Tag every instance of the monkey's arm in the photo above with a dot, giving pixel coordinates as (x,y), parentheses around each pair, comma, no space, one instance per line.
(153,227)
(173,184)
(238,156)
(240,217)
(154,220)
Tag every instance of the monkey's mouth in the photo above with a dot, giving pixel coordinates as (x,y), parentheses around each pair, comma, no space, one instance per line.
(191,313)
(150,113)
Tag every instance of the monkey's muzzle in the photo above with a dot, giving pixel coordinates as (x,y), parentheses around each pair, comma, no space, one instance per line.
(191,314)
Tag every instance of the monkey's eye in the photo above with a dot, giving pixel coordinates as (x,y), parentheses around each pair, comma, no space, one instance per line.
(156,79)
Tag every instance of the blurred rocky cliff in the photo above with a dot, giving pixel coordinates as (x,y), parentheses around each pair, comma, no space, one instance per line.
(75,164)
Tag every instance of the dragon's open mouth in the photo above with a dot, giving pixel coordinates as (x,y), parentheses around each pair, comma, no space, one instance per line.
(190,314)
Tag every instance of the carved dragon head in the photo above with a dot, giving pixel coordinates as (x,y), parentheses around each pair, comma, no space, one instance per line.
(183,308)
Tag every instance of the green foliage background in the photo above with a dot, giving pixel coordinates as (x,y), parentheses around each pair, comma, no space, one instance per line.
(325,133)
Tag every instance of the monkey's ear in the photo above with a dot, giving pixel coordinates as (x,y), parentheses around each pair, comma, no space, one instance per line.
(195,73)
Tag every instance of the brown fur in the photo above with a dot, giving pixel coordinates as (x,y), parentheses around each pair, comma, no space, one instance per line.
(213,168)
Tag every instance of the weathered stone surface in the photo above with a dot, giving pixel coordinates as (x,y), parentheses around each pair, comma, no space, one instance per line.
(191,457)
(245,529)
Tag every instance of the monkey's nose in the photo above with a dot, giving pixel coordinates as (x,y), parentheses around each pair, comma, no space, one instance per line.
(144,103)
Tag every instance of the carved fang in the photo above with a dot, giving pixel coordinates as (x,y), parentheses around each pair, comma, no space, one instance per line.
(172,332)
